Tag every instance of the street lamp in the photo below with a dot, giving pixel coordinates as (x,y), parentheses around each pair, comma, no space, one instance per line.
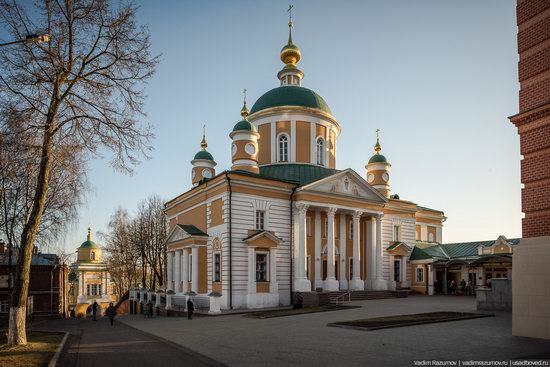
(30,38)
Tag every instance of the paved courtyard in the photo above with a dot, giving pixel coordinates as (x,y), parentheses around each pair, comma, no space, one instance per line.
(305,340)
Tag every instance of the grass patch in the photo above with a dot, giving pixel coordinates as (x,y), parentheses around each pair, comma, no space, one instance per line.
(299,311)
(38,352)
(407,320)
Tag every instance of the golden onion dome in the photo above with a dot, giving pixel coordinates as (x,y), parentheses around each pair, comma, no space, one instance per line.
(290,54)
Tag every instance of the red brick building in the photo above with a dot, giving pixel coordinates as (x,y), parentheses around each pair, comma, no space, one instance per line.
(47,287)
(533,120)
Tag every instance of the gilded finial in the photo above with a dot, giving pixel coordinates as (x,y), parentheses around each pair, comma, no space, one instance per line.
(204,144)
(89,233)
(290,24)
(244,110)
(290,54)
(377,147)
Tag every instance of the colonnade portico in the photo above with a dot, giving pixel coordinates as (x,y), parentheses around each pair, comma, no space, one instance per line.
(178,269)
(373,270)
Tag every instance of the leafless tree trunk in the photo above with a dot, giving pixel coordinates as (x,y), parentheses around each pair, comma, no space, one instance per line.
(83,88)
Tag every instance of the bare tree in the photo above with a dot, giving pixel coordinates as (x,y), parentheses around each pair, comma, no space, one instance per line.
(84,87)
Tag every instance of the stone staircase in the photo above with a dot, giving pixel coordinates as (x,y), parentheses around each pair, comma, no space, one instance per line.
(342,296)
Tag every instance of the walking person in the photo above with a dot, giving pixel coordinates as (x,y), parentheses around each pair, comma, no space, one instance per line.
(94,310)
(299,301)
(463,286)
(190,308)
(111,312)
(149,309)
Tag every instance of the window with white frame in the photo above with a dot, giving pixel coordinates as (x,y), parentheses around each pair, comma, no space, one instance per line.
(4,306)
(397,233)
(93,289)
(261,267)
(190,274)
(217,267)
(420,275)
(320,151)
(350,231)
(260,220)
(283,148)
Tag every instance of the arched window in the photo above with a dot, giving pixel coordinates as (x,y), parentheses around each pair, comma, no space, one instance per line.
(92,255)
(283,148)
(320,151)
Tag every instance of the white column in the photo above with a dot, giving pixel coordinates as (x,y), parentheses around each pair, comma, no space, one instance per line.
(404,267)
(185,270)
(343,256)
(317,256)
(273,284)
(251,270)
(430,280)
(392,272)
(170,271)
(274,142)
(177,272)
(356,283)
(423,232)
(380,283)
(330,284)
(371,253)
(301,283)
(195,282)
(84,285)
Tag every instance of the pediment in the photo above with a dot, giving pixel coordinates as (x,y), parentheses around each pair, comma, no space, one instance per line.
(183,232)
(346,183)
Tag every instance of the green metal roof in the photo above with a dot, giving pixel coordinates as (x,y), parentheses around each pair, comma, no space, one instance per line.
(192,230)
(378,158)
(290,95)
(245,125)
(203,154)
(302,174)
(449,251)
(89,244)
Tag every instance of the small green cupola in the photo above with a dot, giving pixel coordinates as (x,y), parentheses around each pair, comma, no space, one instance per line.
(378,169)
(244,149)
(203,163)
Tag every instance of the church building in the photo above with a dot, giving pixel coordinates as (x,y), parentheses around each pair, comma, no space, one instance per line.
(284,217)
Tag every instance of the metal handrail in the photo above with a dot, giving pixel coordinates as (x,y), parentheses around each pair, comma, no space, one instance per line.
(343,297)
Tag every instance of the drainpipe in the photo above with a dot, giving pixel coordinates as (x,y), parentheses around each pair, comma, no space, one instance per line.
(292,244)
(230,245)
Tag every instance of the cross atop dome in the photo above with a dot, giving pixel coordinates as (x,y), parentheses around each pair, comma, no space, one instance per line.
(290,56)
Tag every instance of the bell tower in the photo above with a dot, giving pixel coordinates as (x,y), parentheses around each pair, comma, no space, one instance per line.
(244,149)
(378,169)
(203,163)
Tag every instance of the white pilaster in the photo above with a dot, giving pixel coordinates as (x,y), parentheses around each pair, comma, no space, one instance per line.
(318,248)
(170,271)
(423,232)
(301,283)
(392,273)
(430,280)
(356,283)
(343,256)
(251,270)
(195,281)
(330,284)
(273,284)
(371,253)
(312,142)
(404,267)
(439,234)
(379,283)
(177,271)
(293,140)
(185,270)
(273,131)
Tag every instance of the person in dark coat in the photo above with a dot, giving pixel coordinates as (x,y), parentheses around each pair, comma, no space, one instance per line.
(463,286)
(94,310)
(190,308)
(111,312)
(299,301)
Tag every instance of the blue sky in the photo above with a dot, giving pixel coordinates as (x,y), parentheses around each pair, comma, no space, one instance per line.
(439,78)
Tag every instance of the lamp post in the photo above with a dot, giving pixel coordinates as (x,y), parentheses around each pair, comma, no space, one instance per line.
(30,38)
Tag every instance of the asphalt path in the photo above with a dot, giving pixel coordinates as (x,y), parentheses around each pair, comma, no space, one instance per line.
(100,344)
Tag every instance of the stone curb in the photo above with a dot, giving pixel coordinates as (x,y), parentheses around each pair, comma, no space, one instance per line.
(55,358)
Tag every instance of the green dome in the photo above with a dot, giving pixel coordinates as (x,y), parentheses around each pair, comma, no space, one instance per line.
(246,126)
(378,158)
(203,154)
(89,244)
(290,95)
